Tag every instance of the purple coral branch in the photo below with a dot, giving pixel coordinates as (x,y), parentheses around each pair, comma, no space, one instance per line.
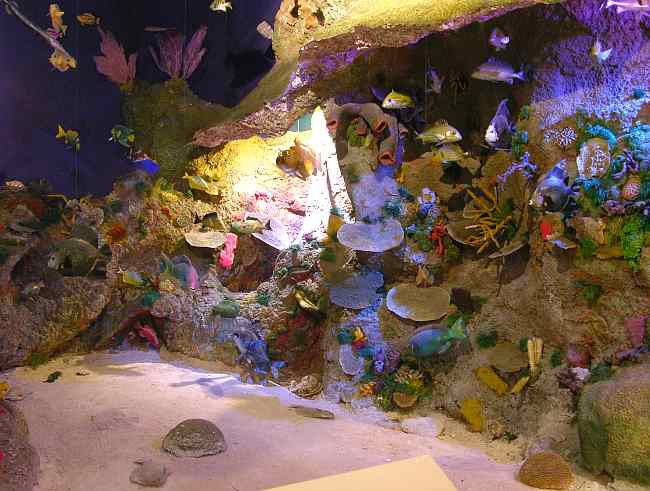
(177,59)
(527,169)
(113,62)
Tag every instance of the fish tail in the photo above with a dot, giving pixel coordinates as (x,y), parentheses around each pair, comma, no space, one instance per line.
(60,132)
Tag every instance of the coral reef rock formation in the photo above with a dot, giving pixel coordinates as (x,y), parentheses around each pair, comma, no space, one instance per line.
(613,420)
(195,438)
(309,54)
(20,462)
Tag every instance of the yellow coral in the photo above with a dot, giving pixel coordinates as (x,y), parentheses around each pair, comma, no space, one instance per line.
(412,378)
(472,412)
(492,380)
(367,389)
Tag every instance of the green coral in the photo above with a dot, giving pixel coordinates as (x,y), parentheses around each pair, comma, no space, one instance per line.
(588,248)
(632,238)
(637,140)
(590,292)
(263,297)
(328,255)
(393,208)
(4,254)
(556,358)
(35,360)
(486,340)
(165,117)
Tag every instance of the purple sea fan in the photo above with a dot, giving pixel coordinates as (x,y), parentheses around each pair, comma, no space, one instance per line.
(113,63)
(177,59)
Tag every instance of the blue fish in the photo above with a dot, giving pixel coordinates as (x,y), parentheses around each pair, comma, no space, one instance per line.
(436,340)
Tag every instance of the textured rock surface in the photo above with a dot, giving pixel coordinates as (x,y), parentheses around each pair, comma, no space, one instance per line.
(614,422)
(194,438)
(19,468)
(546,470)
(308,55)
(149,473)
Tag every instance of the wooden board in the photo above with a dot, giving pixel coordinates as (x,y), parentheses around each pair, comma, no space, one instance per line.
(421,473)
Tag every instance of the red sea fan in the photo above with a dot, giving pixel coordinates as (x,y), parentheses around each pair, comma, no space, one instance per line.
(113,63)
(177,59)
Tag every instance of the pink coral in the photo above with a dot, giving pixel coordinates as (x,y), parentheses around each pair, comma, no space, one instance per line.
(227,256)
(177,59)
(113,63)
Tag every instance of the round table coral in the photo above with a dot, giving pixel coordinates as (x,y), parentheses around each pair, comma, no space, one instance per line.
(418,304)
(546,470)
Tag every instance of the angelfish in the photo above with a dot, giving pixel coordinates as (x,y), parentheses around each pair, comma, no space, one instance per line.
(435,81)
(499,132)
(639,7)
(499,39)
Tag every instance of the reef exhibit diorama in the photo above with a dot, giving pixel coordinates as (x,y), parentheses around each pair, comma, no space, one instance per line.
(247,244)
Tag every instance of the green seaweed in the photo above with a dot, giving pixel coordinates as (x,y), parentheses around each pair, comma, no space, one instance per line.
(328,255)
(600,372)
(590,291)
(632,238)
(393,208)
(263,297)
(523,345)
(556,358)
(488,339)
(35,360)
(588,248)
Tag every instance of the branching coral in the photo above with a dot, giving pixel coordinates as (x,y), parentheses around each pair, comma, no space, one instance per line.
(177,59)
(527,169)
(113,62)
(492,222)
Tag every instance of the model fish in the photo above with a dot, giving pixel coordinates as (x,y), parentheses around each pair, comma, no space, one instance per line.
(12,9)
(61,61)
(436,340)
(133,278)
(52,377)
(435,81)
(88,19)
(157,29)
(122,135)
(499,132)
(265,29)
(69,137)
(312,412)
(499,39)
(397,100)
(249,226)
(598,55)
(497,71)
(56,15)
(200,184)
(220,6)
(449,152)
(553,191)
(32,289)
(440,133)
(15,186)
(146,332)
(639,7)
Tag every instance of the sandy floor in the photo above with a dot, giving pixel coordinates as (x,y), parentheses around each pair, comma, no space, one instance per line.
(89,429)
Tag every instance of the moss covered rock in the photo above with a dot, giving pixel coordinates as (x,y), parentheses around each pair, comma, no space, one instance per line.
(614,425)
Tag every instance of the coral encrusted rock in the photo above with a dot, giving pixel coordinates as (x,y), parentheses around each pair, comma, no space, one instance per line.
(614,425)
(546,470)
(195,438)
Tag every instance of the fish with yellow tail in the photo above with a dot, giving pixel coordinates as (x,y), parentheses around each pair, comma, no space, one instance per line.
(397,100)
(56,15)
(440,133)
(69,137)
(88,19)
(220,6)
(61,61)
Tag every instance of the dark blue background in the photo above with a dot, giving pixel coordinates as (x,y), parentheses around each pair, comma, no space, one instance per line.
(35,98)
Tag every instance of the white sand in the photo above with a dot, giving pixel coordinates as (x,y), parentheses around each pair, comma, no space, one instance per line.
(89,429)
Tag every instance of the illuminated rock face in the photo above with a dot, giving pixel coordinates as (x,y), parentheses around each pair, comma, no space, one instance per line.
(310,54)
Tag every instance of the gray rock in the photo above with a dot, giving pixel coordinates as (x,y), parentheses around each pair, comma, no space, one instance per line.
(149,473)
(195,438)
(426,427)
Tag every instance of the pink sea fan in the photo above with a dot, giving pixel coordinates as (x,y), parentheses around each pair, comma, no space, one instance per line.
(227,256)
(113,63)
(177,59)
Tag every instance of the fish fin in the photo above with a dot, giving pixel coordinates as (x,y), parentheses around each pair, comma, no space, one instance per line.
(441,122)
(60,132)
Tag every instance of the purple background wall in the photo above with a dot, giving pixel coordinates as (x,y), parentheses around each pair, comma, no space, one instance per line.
(35,98)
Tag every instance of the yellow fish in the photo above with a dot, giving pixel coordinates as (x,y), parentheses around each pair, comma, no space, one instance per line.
(56,14)
(88,19)
(61,61)
(70,137)
(4,390)
(304,302)
(440,133)
(220,6)
(397,100)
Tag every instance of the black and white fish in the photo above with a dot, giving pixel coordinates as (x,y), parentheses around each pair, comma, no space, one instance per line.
(553,191)
(499,39)
(499,132)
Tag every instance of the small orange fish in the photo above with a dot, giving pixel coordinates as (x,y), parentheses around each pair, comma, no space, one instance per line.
(61,61)
(56,14)
(88,19)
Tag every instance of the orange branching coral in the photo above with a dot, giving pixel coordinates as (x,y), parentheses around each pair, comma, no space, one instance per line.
(116,233)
